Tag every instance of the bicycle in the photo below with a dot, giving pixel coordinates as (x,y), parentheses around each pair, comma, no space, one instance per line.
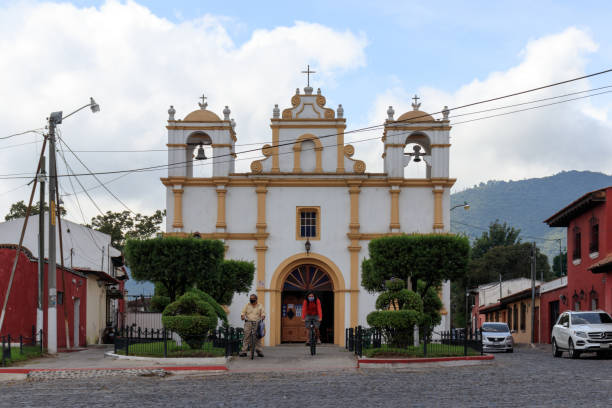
(252,339)
(313,339)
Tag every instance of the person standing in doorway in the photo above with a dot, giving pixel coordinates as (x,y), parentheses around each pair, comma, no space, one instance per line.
(252,313)
(311,312)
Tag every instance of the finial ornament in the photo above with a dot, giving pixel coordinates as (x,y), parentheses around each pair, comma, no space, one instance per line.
(171,113)
(297,91)
(203,104)
(340,111)
(318,91)
(416,105)
(390,113)
(445,112)
(233,123)
(226,113)
(276,111)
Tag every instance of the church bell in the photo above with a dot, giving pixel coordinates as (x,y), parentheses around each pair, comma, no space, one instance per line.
(201,155)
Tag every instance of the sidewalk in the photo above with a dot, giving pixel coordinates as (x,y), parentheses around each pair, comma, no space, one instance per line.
(92,362)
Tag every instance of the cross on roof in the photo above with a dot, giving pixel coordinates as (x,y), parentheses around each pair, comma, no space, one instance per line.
(203,104)
(416,105)
(308,72)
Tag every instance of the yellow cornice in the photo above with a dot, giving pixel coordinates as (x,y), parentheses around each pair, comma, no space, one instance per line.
(307,182)
(416,128)
(201,127)
(176,144)
(308,126)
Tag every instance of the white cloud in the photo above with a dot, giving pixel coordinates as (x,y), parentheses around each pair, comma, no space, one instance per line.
(530,144)
(55,56)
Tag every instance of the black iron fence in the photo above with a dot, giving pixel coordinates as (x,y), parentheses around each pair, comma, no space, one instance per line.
(163,342)
(431,344)
(18,347)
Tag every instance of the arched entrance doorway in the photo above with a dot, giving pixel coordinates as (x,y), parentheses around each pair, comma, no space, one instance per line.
(276,289)
(301,279)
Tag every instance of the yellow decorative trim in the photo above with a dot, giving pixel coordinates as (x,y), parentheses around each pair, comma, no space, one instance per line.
(230,236)
(349,150)
(413,128)
(221,145)
(176,145)
(306,126)
(395,145)
(321,100)
(200,127)
(247,180)
(260,247)
(354,249)
(395,224)
(267,150)
(441,145)
(295,100)
(438,217)
(178,208)
(298,211)
(221,193)
(359,167)
(340,151)
(297,152)
(256,166)
(276,287)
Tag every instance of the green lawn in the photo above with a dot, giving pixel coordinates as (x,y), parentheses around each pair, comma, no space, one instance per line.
(157,350)
(29,352)
(433,350)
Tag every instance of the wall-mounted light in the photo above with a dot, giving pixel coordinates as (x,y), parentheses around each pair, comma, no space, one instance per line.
(307,245)
(563,299)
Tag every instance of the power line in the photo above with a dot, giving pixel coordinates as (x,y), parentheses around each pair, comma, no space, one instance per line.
(369,128)
(23,133)
(96,177)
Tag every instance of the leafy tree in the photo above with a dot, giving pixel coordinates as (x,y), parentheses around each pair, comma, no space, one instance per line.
(498,235)
(430,258)
(513,261)
(177,265)
(125,225)
(561,270)
(19,209)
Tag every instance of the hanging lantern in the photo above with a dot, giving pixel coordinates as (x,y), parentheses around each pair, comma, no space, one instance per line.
(307,245)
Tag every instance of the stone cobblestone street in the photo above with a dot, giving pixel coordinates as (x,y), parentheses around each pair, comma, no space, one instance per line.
(526,378)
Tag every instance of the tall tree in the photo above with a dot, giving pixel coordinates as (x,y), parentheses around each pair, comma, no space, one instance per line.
(18,210)
(559,267)
(430,258)
(498,235)
(178,264)
(125,225)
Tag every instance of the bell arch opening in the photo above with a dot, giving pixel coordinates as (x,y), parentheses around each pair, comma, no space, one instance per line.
(418,148)
(198,155)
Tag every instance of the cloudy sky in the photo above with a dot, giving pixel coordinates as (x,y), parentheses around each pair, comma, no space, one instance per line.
(137,58)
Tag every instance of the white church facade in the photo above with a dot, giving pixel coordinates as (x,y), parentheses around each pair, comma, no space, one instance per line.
(305,213)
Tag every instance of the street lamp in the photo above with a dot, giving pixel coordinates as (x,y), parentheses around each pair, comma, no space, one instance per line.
(55,118)
(465,206)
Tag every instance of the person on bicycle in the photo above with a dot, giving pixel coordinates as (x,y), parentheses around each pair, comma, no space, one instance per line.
(311,312)
(252,313)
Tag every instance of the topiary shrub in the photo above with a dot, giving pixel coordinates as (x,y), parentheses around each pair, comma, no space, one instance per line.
(191,317)
(399,310)
(221,314)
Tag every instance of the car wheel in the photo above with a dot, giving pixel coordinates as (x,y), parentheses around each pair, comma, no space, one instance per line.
(573,353)
(555,349)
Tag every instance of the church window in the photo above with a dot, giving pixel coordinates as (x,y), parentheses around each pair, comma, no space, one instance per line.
(308,223)
(577,243)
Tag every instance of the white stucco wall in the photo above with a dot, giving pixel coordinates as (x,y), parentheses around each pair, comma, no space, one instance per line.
(201,212)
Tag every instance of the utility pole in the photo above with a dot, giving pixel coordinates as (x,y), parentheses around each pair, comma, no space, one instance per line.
(500,287)
(533,274)
(54,119)
(41,248)
(560,259)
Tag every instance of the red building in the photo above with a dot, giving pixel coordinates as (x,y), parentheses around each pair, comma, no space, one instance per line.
(20,318)
(589,251)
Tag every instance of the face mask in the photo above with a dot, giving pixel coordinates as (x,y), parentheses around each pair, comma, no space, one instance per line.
(253,300)
(311,298)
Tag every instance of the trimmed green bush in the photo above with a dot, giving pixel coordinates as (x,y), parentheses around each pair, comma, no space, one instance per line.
(191,317)
(394,319)
(209,299)
(396,297)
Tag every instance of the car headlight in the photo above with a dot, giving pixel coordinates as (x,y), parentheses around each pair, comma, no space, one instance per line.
(581,334)
(509,338)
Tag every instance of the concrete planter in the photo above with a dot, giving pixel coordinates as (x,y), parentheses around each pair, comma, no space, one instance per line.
(423,362)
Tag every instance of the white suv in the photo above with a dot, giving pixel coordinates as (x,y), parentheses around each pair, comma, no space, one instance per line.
(579,332)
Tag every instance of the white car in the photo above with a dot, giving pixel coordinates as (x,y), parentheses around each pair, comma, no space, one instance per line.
(496,337)
(580,332)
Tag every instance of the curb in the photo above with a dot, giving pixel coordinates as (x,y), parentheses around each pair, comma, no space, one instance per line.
(185,361)
(401,361)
